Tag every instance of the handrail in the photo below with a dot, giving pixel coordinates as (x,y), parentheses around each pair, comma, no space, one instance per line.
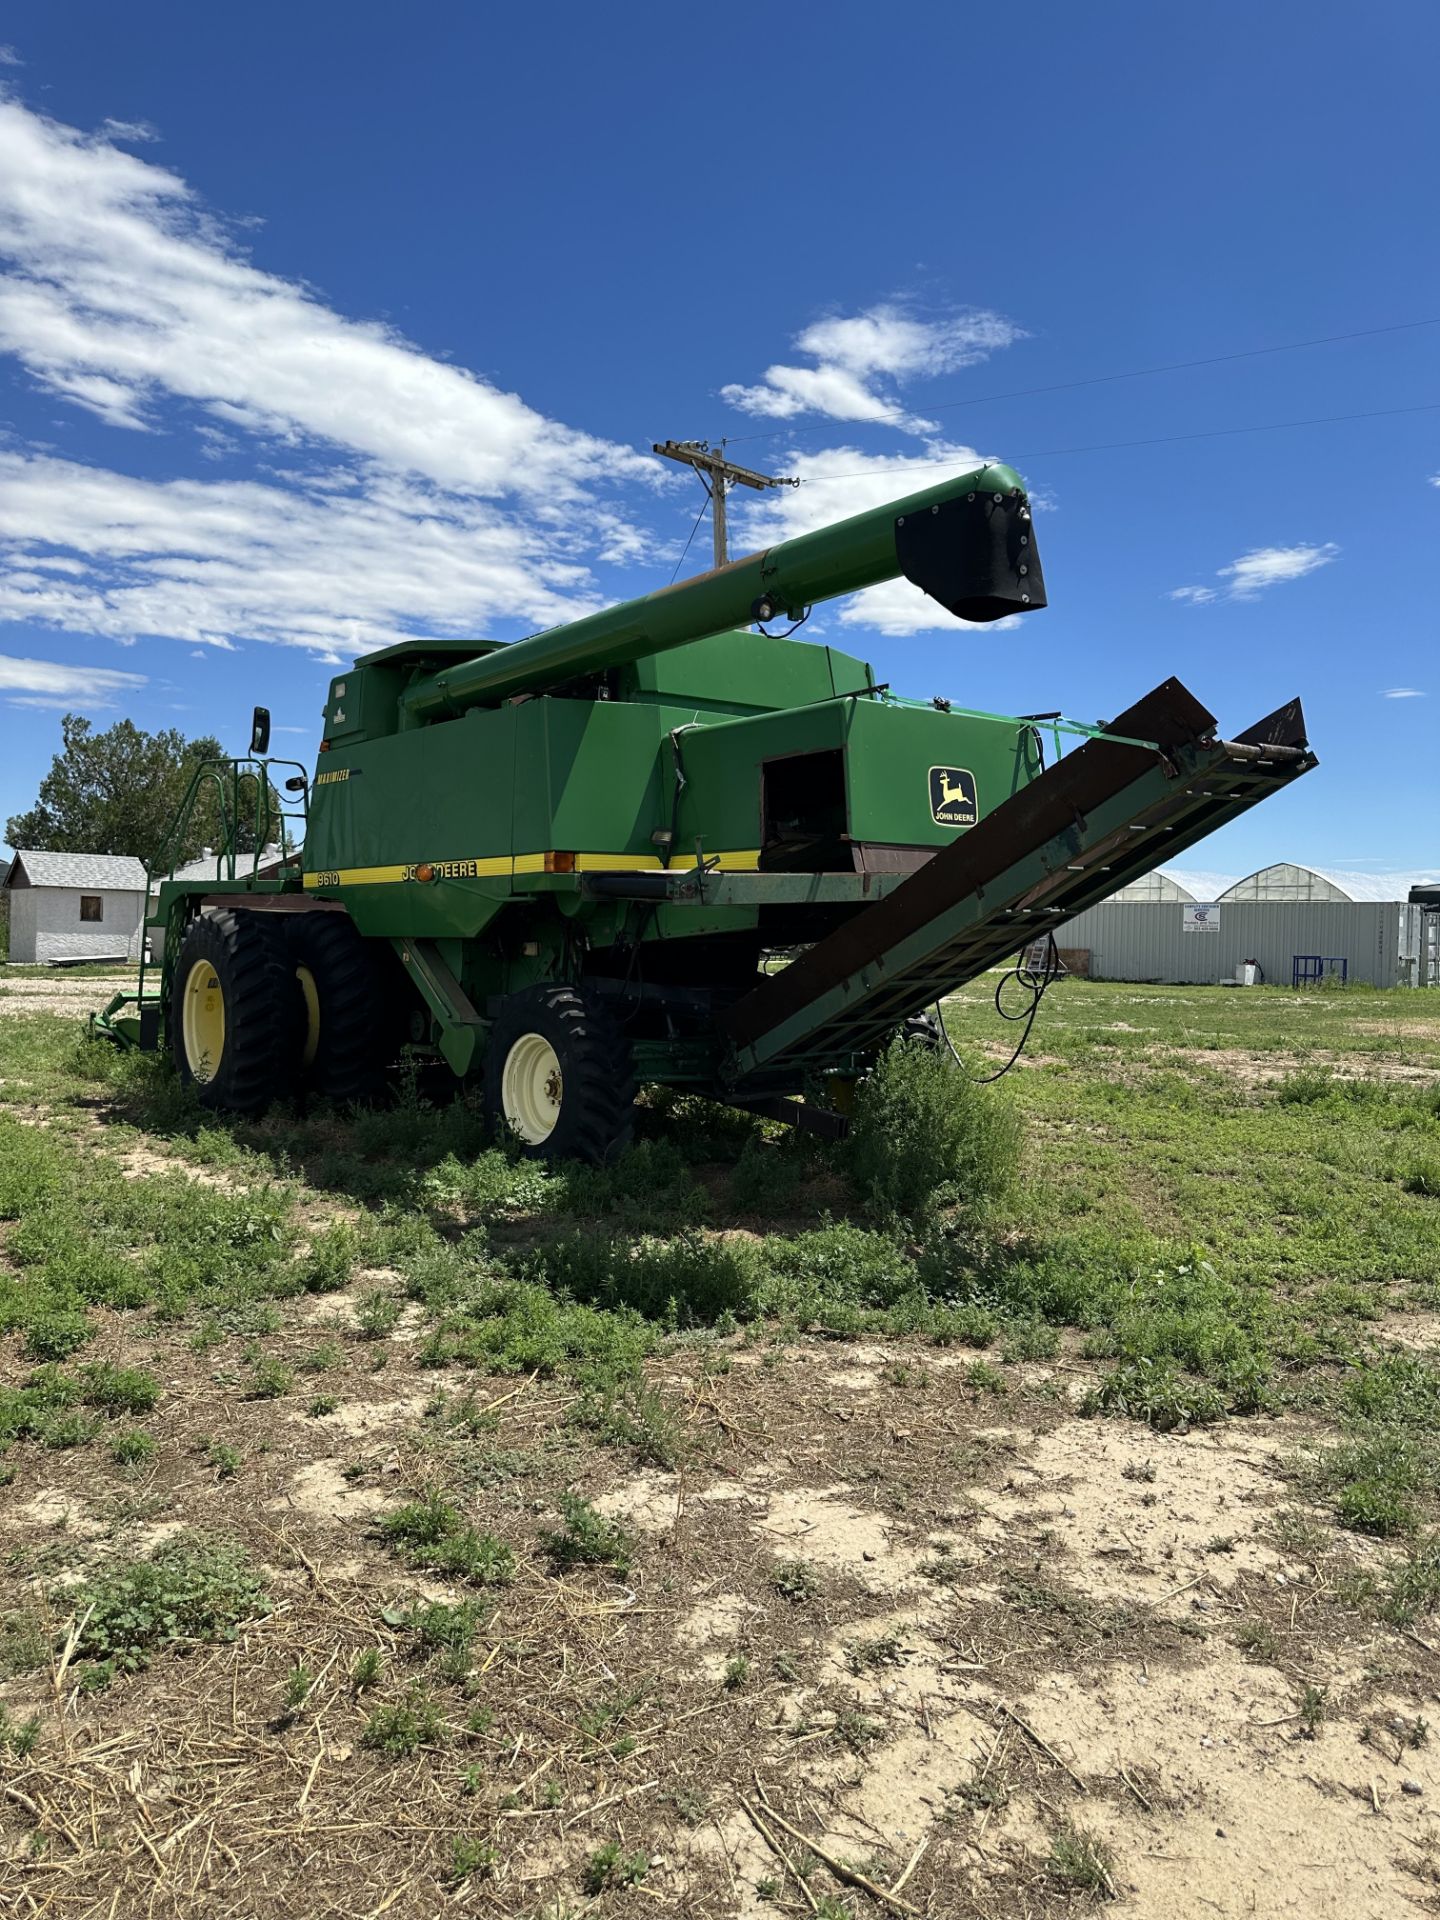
(261,815)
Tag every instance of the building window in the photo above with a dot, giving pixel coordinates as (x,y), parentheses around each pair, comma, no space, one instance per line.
(92,906)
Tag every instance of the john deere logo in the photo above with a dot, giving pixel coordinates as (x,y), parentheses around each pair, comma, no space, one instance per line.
(952,797)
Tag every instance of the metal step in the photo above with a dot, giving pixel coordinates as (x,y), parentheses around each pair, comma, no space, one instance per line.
(1115,809)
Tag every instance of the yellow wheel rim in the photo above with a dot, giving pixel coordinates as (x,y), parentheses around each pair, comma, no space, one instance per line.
(310,994)
(202,1021)
(531,1088)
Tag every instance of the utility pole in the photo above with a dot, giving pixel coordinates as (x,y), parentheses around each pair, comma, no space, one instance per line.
(717,476)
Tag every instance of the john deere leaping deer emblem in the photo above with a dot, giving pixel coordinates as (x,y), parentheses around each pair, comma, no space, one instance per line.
(952,797)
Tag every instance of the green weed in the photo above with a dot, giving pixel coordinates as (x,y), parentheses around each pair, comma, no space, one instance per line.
(19,1737)
(1081,1861)
(797,1581)
(402,1727)
(610,1866)
(432,1533)
(471,1858)
(189,1589)
(367,1669)
(587,1539)
(377,1315)
(924,1137)
(132,1449)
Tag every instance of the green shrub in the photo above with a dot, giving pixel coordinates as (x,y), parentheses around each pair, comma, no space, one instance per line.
(633,1415)
(1375,1506)
(925,1137)
(20,1737)
(471,1858)
(1157,1393)
(838,1265)
(1412,1588)
(132,1449)
(333,1255)
(271,1380)
(377,1315)
(55,1335)
(610,1866)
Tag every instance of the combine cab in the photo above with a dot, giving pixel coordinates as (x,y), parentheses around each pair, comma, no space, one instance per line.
(565,866)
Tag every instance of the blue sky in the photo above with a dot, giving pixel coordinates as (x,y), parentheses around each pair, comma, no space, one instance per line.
(322,324)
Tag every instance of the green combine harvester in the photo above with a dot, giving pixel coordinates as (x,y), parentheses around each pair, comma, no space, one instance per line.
(567,865)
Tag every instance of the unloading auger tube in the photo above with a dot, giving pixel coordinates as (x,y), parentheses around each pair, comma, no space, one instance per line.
(967,542)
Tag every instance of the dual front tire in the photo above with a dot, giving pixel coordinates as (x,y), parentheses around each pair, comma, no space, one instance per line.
(265,1005)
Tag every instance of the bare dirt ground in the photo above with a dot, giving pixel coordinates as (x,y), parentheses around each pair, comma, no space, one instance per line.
(51,990)
(1012,1621)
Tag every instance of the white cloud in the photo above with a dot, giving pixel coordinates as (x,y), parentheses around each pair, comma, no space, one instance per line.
(887,344)
(44,683)
(123,291)
(1260,568)
(337,569)
(413,495)
(1403,693)
(134,133)
(832,490)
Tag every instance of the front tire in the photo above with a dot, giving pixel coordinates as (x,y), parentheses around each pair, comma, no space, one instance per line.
(232,1011)
(342,1047)
(558,1077)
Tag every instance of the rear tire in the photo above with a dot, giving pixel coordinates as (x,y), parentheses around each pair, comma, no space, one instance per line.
(920,1030)
(233,1012)
(558,1077)
(342,1051)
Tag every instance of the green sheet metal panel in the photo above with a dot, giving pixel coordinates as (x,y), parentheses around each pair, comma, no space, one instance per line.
(744,672)
(723,769)
(918,776)
(395,802)
(590,778)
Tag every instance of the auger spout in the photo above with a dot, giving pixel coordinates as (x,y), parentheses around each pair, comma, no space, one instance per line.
(967,542)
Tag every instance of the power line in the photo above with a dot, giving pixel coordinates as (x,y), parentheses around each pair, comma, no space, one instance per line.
(1118,446)
(1109,379)
(693,531)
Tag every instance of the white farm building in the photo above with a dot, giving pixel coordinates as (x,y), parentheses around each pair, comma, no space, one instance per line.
(1299,925)
(75,906)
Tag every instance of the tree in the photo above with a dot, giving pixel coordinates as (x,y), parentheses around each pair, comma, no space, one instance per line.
(119,792)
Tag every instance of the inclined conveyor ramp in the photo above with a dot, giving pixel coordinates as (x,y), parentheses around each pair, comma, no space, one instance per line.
(1129,800)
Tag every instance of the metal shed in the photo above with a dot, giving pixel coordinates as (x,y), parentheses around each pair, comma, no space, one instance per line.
(75,906)
(1363,925)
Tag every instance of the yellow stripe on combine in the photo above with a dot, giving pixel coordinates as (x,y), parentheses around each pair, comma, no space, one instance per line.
(520,864)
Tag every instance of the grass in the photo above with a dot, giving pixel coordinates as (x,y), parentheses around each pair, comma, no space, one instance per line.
(1080,1861)
(1207,1207)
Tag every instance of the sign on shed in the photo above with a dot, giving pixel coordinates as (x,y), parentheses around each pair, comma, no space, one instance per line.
(1195,918)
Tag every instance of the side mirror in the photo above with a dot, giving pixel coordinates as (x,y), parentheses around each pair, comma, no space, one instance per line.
(260,731)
